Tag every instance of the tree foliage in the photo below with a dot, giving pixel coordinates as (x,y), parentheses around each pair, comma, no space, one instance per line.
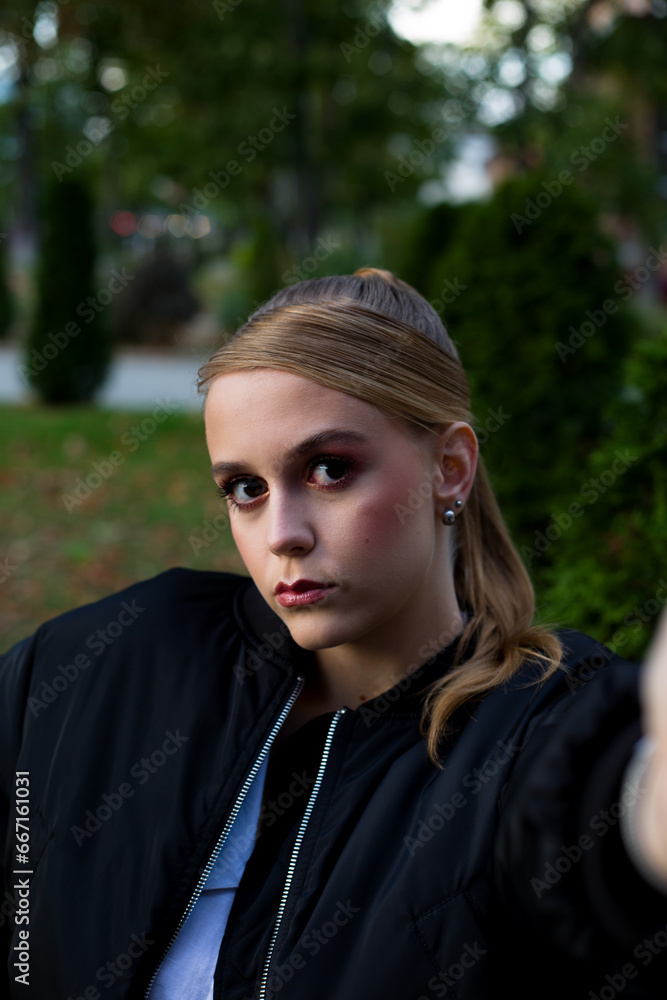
(555,75)
(281,114)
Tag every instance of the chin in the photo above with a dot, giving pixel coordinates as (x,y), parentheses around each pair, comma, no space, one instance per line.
(313,635)
(314,640)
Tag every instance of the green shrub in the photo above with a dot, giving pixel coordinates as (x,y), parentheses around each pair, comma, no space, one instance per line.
(517,297)
(69,348)
(609,569)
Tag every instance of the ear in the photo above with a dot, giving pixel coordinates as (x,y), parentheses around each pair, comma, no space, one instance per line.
(456,451)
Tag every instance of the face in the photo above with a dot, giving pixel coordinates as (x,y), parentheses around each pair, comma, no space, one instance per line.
(319,487)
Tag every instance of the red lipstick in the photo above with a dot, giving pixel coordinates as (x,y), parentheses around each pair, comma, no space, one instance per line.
(292,595)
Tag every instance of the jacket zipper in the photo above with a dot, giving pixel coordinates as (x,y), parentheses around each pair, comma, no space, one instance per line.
(228,825)
(297,847)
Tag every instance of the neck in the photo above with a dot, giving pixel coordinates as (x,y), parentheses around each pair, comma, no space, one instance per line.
(354,673)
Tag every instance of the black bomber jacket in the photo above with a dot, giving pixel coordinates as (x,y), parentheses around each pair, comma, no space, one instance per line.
(130,728)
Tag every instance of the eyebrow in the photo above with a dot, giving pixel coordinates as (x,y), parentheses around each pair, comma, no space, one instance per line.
(334,436)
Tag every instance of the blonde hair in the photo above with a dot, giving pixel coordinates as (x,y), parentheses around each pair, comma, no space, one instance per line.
(374,337)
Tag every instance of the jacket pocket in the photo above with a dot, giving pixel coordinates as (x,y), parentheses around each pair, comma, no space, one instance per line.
(451,935)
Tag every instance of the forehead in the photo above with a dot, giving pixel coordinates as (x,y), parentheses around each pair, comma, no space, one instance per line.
(275,410)
(254,399)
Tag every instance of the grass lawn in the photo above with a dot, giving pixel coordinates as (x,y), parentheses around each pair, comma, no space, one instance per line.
(93,500)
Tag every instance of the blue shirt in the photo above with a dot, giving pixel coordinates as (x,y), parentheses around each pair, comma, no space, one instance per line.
(188,968)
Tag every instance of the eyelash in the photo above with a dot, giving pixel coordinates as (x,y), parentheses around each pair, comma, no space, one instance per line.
(225,489)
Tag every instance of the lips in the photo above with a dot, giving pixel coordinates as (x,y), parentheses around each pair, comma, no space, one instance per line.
(302,592)
(299,586)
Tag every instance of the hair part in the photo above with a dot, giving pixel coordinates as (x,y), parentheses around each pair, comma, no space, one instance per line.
(374,337)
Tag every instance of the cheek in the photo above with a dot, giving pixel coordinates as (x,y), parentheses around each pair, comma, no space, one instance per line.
(388,519)
(374,526)
(243,541)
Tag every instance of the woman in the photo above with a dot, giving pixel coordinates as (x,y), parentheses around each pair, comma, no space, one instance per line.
(363,772)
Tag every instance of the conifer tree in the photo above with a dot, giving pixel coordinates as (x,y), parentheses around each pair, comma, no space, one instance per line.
(69,347)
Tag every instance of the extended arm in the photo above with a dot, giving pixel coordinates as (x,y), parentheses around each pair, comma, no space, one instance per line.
(565,876)
(648,823)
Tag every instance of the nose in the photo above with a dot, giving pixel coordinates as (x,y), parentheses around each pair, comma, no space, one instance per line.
(289,530)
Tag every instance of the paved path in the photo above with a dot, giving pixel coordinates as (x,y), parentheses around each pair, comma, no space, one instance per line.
(137,378)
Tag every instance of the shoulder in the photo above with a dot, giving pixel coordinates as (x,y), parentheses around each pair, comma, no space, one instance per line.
(164,594)
(570,718)
(591,681)
(583,659)
(135,645)
(171,607)
(155,600)
(602,692)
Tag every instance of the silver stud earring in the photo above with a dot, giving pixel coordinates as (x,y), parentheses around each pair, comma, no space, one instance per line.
(449,516)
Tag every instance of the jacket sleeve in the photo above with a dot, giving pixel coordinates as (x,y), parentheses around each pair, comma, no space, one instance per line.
(15,673)
(560,864)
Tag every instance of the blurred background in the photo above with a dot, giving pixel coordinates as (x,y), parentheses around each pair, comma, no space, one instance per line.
(164,169)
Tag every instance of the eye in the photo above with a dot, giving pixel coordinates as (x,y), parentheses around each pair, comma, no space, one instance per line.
(330,471)
(326,472)
(242,492)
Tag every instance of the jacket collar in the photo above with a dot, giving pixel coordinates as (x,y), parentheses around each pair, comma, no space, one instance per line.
(271,638)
